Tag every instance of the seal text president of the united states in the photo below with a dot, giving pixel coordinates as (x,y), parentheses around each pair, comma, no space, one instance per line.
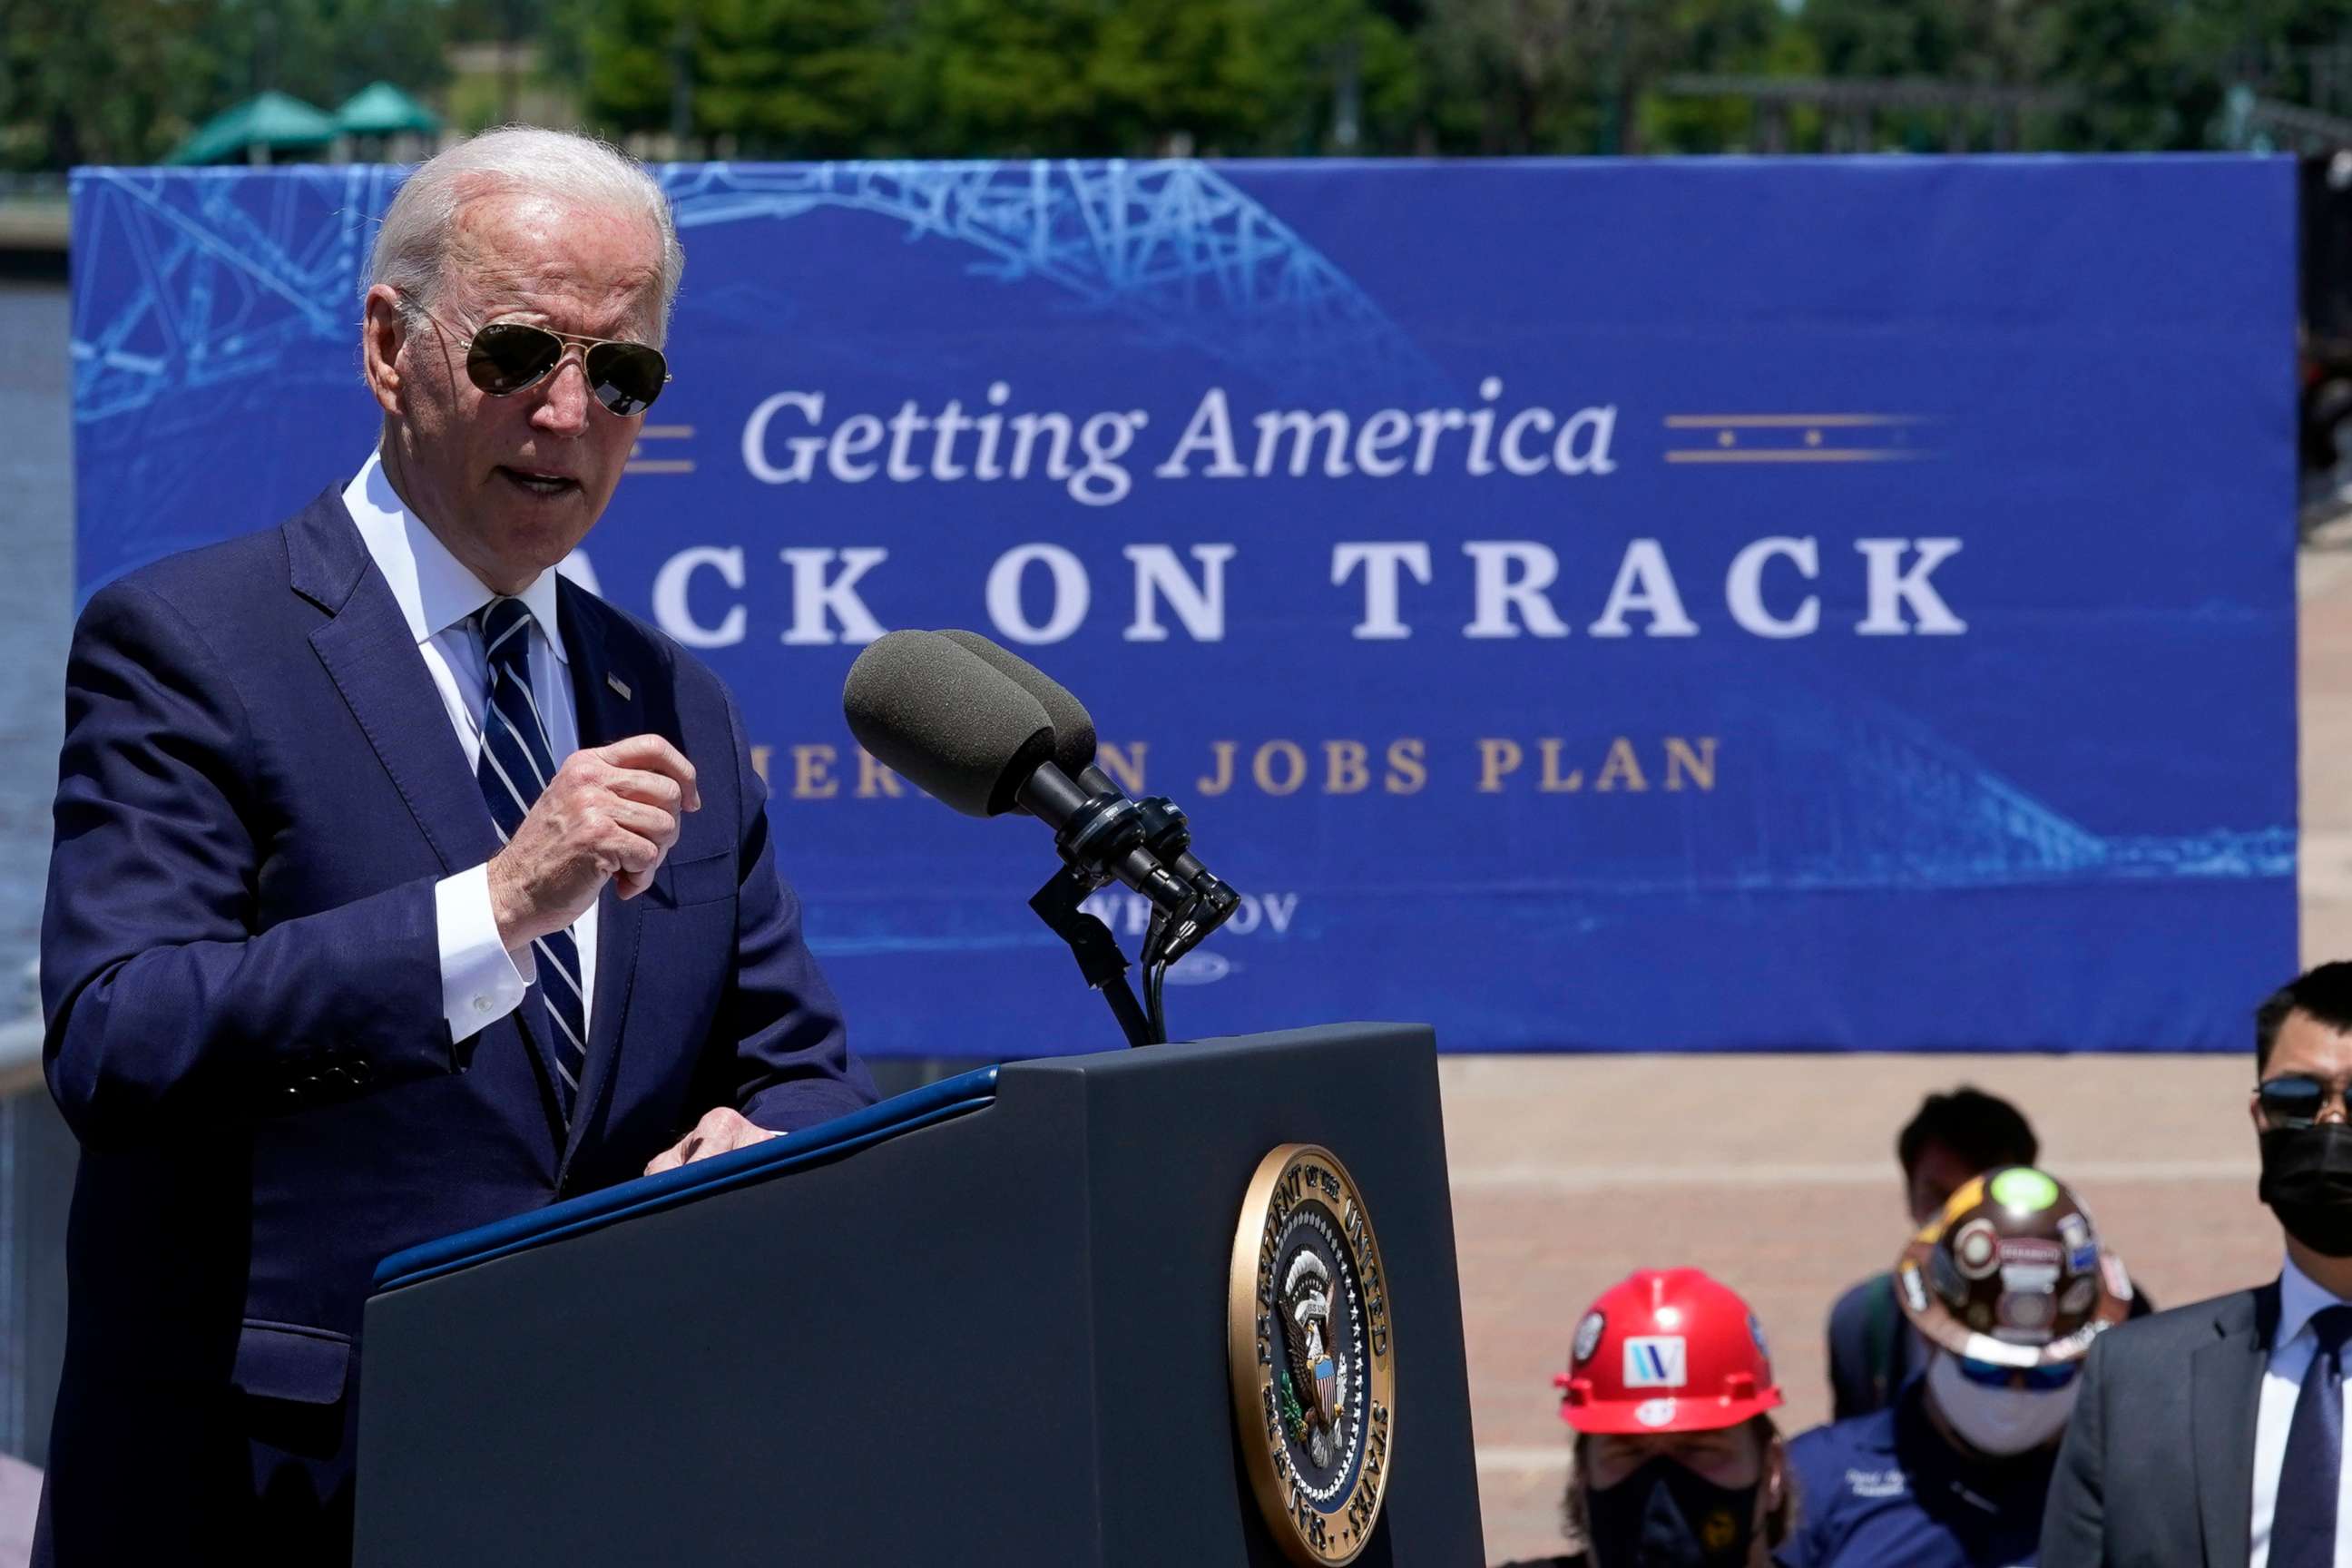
(399,885)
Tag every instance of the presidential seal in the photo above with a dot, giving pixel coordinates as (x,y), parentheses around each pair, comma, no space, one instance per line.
(1307,1337)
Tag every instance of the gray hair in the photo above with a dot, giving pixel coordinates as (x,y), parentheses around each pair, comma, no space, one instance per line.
(414,237)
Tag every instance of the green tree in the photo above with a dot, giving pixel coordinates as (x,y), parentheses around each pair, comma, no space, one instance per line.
(1705,38)
(630,54)
(1574,75)
(2296,51)
(1006,78)
(1342,77)
(2138,85)
(322,51)
(1171,72)
(102,83)
(1514,76)
(125,80)
(1078,78)
(1981,42)
(801,78)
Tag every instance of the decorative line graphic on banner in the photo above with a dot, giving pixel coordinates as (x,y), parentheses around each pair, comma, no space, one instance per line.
(1796,437)
(640,463)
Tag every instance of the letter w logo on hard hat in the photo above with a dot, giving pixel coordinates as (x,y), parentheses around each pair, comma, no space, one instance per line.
(1656,1361)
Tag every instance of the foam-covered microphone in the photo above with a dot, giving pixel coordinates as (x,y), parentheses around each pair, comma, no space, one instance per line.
(1166,833)
(966,736)
(1074,727)
(959,730)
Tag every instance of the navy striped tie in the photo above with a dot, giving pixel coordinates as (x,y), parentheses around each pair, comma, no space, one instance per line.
(517,763)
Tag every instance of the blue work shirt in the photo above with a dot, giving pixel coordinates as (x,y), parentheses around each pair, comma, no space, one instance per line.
(1887,1488)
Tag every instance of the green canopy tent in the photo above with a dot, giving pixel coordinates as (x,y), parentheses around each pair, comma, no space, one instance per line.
(380,109)
(255,129)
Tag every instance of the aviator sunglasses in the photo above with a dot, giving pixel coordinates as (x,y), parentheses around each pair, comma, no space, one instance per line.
(507,357)
(2296,1099)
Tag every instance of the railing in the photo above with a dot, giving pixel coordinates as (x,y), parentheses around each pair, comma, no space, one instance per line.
(36,1158)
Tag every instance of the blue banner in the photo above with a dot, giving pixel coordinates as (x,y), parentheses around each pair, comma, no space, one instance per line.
(1662,606)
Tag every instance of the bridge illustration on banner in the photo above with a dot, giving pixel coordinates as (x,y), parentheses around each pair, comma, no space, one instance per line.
(233,279)
(212,279)
(1871,797)
(1172,245)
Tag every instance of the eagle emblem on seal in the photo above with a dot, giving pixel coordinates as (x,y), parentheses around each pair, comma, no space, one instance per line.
(1310,1346)
(1318,1372)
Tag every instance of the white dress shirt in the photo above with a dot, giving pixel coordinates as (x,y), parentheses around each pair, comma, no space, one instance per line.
(481,981)
(2291,1353)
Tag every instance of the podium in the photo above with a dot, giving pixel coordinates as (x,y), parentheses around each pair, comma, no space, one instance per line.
(982,1323)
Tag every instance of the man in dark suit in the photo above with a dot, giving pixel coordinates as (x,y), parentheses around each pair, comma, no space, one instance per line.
(2214,1434)
(398,885)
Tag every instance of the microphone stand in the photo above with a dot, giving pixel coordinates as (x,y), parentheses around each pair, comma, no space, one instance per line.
(1100,959)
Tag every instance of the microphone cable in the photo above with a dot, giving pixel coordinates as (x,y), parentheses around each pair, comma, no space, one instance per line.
(1155,977)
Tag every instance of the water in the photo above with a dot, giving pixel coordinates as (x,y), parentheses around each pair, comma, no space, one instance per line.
(36,607)
(35,617)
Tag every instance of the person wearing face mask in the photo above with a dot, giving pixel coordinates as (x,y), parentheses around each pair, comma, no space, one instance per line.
(1953,1136)
(1966,1132)
(2009,1288)
(2213,1433)
(1677,1463)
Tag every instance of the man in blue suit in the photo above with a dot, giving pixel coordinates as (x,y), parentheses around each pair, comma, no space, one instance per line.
(399,885)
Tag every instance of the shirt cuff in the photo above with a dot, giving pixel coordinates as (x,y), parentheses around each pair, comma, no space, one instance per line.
(479,981)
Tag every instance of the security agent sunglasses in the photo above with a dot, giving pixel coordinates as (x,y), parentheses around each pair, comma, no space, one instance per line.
(2040,1379)
(507,357)
(2296,1099)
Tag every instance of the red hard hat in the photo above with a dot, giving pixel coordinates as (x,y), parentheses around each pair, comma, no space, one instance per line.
(1667,1350)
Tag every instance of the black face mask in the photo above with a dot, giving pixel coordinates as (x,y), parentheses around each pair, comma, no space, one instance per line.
(2307,1182)
(1665,1516)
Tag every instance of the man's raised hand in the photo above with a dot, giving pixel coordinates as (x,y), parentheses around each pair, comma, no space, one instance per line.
(610,814)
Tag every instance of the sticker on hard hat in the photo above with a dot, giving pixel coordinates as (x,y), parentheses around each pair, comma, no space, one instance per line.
(1914,1291)
(2029,1310)
(2029,1249)
(2083,1252)
(1654,1412)
(1976,1250)
(2043,1277)
(1656,1361)
(1587,1338)
(2025,1190)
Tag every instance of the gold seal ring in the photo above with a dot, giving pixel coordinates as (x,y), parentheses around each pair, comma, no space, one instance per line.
(1311,1346)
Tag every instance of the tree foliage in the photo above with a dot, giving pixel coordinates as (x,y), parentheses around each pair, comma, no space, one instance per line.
(99,82)
(86,81)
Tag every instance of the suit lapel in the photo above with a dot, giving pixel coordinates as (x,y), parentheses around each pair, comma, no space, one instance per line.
(371,656)
(2225,1397)
(605,688)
